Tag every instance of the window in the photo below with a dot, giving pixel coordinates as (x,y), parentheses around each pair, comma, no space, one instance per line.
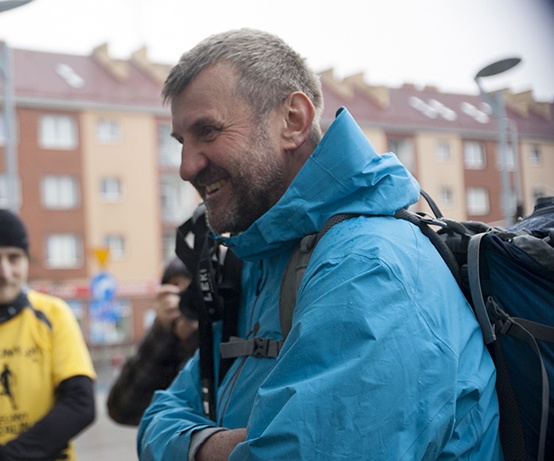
(403,149)
(111,189)
(108,131)
(57,132)
(443,151)
(179,199)
(446,197)
(116,245)
(63,251)
(477,201)
(535,156)
(59,192)
(474,155)
(169,149)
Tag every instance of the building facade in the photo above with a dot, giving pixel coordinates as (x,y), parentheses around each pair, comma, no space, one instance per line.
(100,190)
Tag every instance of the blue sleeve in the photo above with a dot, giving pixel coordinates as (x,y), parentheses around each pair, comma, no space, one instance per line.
(172,417)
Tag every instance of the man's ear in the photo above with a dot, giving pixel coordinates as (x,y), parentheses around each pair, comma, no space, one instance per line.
(298,117)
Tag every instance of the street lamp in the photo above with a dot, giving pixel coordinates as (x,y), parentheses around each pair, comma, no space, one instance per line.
(10,4)
(499,111)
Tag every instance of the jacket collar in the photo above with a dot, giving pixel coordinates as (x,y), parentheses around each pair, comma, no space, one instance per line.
(344,174)
(8,311)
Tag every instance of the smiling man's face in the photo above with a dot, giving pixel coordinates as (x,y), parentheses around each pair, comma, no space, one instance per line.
(235,163)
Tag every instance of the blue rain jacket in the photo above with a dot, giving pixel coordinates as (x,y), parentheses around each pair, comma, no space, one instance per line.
(384,361)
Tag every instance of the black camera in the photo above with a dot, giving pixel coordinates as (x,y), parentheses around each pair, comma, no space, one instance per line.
(216,271)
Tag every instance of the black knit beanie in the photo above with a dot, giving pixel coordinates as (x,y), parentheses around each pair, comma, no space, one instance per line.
(12,231)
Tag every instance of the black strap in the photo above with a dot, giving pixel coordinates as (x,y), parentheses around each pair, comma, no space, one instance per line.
(538,330)
(206,311)
(201,258)
(436,240)
(432,204)
(510,326)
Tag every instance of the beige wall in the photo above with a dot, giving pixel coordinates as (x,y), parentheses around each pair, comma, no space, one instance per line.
(435,173)
(377,138)
(534,175)
(136,216)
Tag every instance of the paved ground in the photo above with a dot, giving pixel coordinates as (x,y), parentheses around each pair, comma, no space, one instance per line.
(105,440)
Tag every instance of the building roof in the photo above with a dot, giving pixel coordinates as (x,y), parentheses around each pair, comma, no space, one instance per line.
(94,79)
(98,79)
(409,109)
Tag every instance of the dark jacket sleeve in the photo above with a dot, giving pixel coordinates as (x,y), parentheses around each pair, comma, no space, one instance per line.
(73,411)
(158,360)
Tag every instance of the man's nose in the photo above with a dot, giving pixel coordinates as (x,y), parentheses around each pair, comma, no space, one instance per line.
(193,161)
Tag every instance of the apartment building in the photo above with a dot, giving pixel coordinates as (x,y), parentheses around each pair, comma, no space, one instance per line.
(98,170)
(450,142)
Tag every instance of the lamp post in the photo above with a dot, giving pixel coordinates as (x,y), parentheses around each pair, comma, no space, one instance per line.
(10,4)
(10,129)
(499,110)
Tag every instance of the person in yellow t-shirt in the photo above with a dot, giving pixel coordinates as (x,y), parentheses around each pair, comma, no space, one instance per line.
(46,373)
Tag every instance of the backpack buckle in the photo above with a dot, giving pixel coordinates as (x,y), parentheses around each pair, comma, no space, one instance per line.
(261,347)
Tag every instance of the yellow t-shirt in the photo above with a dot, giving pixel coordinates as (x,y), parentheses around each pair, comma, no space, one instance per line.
(39,348)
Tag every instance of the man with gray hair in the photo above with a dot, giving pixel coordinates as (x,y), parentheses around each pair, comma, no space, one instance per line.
(384,359)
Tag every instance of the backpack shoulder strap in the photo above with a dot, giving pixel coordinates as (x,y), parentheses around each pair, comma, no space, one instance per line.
(295,268)
(292,277)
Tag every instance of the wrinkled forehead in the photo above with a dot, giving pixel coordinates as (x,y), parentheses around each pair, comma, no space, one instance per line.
(220,77)
(210,98)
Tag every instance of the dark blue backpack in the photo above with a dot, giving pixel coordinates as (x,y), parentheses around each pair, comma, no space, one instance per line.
(507,275)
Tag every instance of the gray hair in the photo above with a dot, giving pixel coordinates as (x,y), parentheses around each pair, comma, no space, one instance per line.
(269,71)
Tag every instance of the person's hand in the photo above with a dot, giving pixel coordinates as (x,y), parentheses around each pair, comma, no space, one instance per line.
(183,328)
(219,446)
(167,305)
(168,314)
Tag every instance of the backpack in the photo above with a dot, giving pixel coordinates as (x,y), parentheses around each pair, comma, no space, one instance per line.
(507,276)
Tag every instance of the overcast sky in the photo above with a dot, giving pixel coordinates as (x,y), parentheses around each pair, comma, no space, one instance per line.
(425,42)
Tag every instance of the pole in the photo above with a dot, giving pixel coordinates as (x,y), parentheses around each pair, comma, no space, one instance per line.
(498,109)
(514,141)
(503,146)
(12,175)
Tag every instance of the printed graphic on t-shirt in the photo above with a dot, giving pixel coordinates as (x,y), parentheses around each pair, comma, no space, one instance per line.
(7,379)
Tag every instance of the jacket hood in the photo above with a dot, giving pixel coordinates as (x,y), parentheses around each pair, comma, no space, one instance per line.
(344,174)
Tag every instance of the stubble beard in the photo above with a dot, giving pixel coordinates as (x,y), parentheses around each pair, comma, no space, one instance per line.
(257,184)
